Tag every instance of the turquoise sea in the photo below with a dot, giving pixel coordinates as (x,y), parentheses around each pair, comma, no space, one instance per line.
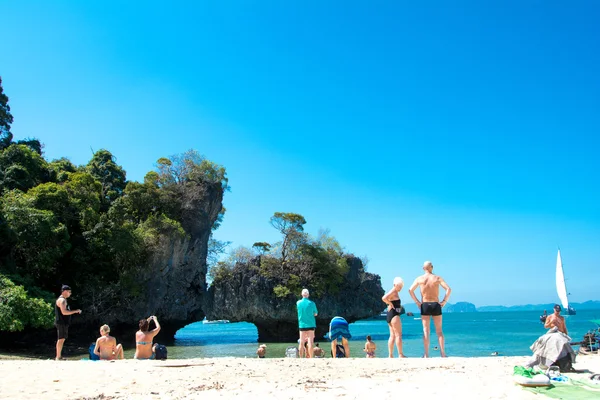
(475,334)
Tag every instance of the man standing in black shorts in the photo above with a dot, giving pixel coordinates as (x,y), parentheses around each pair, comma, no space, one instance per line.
(430,305)
(62,319)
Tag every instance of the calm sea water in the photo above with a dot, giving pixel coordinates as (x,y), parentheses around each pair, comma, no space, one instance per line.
(467,335)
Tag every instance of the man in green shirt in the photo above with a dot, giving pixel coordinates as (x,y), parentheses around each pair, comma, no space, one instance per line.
(307,311)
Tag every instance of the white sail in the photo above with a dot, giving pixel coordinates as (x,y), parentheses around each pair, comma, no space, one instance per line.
(561,287)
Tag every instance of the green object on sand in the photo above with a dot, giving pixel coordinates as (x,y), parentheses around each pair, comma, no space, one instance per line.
(526,372)
(574,390)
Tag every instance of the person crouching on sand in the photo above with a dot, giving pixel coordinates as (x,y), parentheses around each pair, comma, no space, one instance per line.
(107,347)
(261,351)
(370,347)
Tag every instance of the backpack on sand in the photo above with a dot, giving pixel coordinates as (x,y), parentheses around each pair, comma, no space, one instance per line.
(160,351)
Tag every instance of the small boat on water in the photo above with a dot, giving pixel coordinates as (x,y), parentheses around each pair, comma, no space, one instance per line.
(217,321)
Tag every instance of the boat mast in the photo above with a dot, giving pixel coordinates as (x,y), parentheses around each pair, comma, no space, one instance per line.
(564,281)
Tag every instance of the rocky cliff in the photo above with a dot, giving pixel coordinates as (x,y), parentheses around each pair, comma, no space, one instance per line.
(248,296)
(172,283)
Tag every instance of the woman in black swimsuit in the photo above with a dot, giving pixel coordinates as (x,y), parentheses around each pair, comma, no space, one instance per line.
(392,299)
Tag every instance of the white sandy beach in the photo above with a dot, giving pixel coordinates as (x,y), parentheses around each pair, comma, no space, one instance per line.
(473,378)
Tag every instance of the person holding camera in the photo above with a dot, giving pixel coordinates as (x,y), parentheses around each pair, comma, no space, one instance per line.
(144,349)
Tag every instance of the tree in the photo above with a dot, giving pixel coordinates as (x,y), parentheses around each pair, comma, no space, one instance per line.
(102,167)
(262,247)
(189,166)
(21,168)
(40,240)
(291,226)
(328,242)
(18,310)
(6,119)
(216,248)
(33,144)
(60,169)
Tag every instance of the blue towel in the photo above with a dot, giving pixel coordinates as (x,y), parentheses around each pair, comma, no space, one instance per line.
(338,328)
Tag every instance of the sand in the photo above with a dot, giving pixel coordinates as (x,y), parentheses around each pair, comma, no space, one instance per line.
(244,378)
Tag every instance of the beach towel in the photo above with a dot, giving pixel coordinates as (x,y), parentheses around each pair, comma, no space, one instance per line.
(552,347)
(93,357)
(573,390)
(338,328)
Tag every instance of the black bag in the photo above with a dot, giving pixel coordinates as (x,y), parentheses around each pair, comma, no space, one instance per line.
(160,351)
(564,364)
(340,352)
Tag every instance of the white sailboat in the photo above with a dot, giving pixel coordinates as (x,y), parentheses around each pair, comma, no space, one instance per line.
(561,287)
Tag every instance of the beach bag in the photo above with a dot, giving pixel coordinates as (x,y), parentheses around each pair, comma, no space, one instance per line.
(291,352)
(160,352)
(340,352)
(564,364)
(93,357)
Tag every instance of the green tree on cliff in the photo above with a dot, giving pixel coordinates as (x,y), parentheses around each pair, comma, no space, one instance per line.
(291,226)
(6,120)
(111,176)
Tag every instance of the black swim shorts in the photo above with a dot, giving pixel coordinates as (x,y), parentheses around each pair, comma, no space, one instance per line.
(62,330)
(431,308)
(306,329)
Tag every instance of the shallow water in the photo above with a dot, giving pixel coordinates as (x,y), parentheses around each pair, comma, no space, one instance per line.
(466,334)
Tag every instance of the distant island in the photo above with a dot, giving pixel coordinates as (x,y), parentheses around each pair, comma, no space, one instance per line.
(464,306)
(588,305)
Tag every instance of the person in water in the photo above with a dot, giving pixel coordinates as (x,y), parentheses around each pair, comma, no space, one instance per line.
(261,352)
(556,320)
(394,309)
(318,352)
(62,319)
(370,347)
(144,350)
(431,307)
(106,346)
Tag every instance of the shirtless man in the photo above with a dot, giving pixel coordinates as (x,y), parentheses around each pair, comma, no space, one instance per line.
(556,320)
(106,346)
(430,306)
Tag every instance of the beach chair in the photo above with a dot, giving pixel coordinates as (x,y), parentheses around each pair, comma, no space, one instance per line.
(291,352)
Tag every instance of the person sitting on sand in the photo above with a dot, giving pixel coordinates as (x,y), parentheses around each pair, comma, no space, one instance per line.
(556,320)
(318,352)
(370,347)
(106,346)
(338,329)
(261,351)
(394,310)
(144,350)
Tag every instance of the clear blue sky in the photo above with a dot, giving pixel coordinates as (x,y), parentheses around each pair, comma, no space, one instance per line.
(463,132)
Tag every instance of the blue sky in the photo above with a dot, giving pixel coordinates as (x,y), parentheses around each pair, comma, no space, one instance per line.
(464,133)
